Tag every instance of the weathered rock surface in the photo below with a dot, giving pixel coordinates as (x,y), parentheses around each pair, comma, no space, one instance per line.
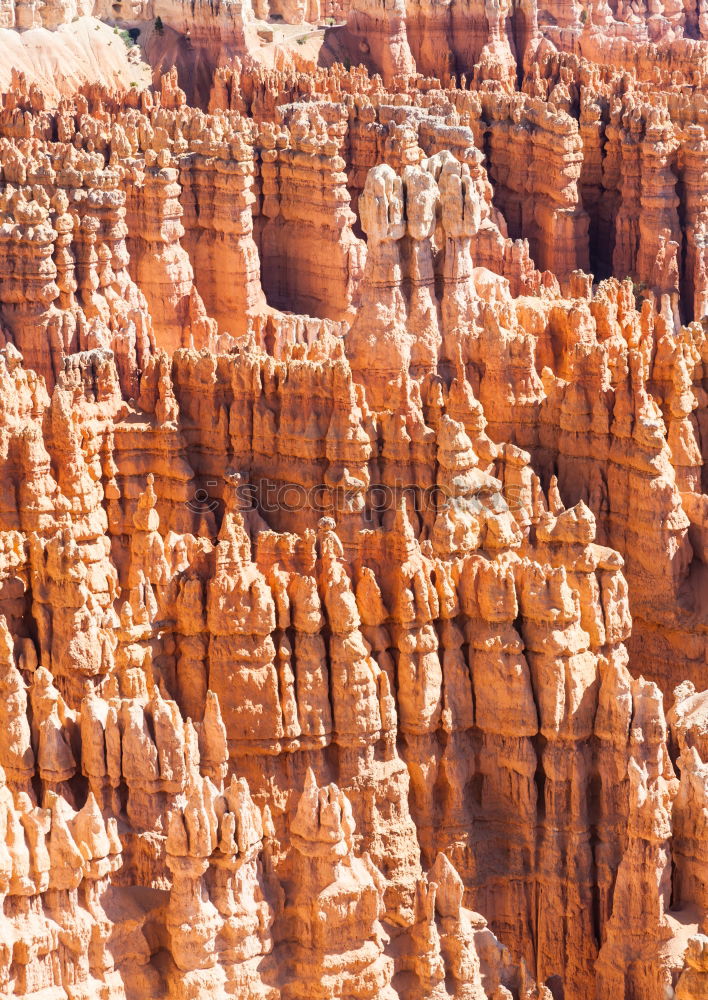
(353,534)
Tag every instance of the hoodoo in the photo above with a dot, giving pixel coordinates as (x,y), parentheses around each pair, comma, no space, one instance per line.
(353,500)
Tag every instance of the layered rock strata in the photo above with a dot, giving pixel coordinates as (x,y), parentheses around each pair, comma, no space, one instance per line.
(384,677)
(353,533)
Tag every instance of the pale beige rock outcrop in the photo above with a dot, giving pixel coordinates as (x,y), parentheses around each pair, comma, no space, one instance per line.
(692,983)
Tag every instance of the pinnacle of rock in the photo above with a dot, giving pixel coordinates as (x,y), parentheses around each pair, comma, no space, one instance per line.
(353,512)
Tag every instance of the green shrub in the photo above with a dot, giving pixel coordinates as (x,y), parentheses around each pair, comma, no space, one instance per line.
(159,26)
(125,37)
(637,288)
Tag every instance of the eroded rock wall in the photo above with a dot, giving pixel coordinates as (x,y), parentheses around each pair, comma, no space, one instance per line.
(352,533)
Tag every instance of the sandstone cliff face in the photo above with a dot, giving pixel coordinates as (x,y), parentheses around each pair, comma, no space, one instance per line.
(384,676)
(352,533)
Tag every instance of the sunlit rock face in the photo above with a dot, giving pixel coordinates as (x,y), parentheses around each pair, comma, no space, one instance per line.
(353,524)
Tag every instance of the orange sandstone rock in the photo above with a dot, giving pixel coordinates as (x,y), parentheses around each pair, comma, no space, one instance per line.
(352,533)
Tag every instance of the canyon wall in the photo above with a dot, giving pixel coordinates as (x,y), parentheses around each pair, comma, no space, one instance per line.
(353,518)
